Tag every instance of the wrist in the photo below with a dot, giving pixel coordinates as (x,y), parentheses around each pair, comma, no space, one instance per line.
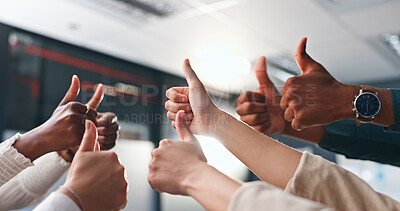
(217,119)
(347,96)
(64,154)
(195,178)
(71,196)
(31,144)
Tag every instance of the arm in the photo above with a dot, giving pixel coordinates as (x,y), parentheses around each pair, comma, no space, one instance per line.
(329,183)
(32,184)
(317,98)
(260,153)
(98,187)
(11,162)
(261,111)
(336,187)
(179,167)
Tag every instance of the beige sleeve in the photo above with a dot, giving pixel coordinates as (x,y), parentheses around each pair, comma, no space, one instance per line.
(261,196)
(322,181)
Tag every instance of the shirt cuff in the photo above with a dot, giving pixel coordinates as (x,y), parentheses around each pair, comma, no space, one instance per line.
(396,109)
(11,161)
(57,201)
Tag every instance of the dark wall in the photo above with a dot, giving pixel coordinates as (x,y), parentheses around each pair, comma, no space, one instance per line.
(4,55)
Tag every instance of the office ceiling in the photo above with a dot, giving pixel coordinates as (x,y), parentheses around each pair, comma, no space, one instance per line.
(343,35)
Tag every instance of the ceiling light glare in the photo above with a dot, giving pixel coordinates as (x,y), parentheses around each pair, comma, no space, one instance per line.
(392,40)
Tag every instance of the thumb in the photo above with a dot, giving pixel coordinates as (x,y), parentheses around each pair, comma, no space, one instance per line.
(302,58)
(72,92)
(262,75)
(97,97)
(189,73)
(182,128)
(89,140)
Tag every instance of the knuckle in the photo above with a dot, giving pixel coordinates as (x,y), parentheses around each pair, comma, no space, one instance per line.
(167,105)
(112,155)
(155,153)
(152,167)
(291,81)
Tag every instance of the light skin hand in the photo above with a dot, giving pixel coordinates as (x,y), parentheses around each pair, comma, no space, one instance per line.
(97,177)
(180,167)
(270,160)
(194,100)
(316,98)
(66,125)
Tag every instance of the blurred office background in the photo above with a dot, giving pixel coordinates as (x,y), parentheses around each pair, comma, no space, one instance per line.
(136,48)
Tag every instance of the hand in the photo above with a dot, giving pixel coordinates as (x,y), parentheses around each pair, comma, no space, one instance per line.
(176,162)
(194,100)
(261,109)
(108,129)
(315,97)
(64,129)
(98,178)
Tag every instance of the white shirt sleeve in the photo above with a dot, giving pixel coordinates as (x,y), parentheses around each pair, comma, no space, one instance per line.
(260,196)
(11,161)
(33,183)
(57,202)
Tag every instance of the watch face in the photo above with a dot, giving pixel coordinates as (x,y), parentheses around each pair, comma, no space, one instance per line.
(367,105)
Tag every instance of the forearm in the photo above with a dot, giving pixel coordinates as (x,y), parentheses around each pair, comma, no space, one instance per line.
(32,184)
(313,135)
(270,160)
(211,188)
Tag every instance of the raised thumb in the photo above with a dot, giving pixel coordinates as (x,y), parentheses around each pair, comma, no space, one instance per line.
(189,73)
(89,140)
(97,97)
(262,75)
(302,58)
(182,128)
(72,92)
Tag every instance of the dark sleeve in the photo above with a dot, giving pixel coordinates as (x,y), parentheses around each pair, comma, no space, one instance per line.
(396,108)
(366,142)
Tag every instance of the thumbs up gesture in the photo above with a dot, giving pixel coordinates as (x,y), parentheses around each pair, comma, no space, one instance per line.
(176,163)
(200,111)
(65,128)
(260,109)
(97,178)
(314,97)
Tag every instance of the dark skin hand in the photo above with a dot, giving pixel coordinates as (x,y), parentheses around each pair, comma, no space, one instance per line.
(107,127)
(316,98)
(260,109)
(64,129)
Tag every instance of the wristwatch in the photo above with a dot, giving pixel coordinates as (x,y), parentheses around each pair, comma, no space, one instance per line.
(366,105)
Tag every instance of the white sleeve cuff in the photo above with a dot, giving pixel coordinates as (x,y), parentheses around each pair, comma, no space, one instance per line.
(57,201)
(11,161)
